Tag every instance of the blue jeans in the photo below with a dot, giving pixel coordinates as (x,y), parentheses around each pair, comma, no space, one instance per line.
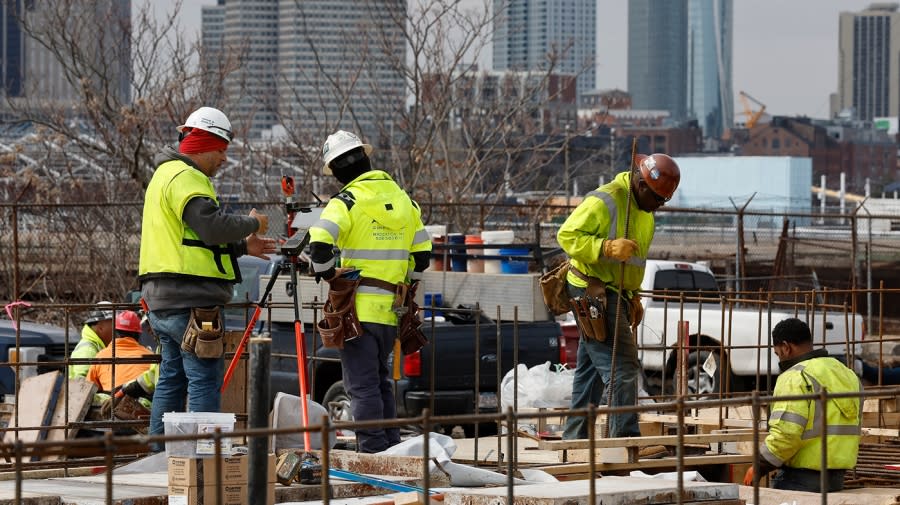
(592,373)
(182,372)
(364,365)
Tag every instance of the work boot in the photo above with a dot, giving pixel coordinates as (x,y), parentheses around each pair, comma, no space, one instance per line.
(653,452)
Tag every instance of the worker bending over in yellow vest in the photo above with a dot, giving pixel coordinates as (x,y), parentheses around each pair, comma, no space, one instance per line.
(794,443)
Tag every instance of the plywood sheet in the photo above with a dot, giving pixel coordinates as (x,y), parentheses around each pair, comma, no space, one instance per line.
(35,395)
(234,399)
(81,394)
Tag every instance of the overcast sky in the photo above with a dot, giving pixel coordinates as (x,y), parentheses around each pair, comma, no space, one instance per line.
(785,51)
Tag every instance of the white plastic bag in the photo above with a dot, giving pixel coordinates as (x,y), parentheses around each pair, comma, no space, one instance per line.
(539,386)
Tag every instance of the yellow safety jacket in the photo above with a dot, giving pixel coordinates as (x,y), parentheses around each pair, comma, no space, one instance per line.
(600,217)
(88,347)
(169,247)
(795,426)
(376,227)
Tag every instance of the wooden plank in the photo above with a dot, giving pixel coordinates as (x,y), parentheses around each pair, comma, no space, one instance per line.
(689,462)
(671,440)
(702,421)
(34,398)
(81,395)
(234,399)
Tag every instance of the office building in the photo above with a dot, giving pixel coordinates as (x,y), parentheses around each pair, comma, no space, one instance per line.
(527,33)
(31,71)
(311,66)
(710,98)
(657,55)
(868,52)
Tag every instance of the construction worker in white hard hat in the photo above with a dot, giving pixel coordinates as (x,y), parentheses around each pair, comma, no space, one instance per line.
(379,232)
(188,262)
(95,335)
(607,238)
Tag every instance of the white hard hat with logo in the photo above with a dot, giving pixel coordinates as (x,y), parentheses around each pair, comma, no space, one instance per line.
(210,119)
(339,143)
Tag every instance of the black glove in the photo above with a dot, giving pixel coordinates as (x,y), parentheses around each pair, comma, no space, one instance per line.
(327,275)
(134,390)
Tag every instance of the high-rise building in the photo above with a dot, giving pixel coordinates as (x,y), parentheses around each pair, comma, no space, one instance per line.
(868,52)
(310,66)
(657,55)
(529,34)
(710,97)
(12,66)
(31,70)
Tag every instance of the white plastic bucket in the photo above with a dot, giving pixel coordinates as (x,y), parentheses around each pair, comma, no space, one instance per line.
(492,266)
(438,235)
(189,423)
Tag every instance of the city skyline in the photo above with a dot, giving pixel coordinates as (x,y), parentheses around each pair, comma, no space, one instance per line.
(785,53)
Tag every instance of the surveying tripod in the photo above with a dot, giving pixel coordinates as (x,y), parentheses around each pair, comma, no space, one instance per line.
(290,252)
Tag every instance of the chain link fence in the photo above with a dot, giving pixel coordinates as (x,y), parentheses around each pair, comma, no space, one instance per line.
(84,252)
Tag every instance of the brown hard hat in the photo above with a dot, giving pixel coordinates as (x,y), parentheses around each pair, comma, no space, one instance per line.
(660,172)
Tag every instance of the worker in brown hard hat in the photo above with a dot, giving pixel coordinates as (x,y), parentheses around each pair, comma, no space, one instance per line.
(613,227)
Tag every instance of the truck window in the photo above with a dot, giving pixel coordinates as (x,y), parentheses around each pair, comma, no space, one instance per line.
(689,281)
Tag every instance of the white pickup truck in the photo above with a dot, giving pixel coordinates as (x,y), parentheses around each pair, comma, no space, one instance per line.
(721,350)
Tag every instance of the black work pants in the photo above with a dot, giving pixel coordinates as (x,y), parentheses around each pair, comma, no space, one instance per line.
(367,379)
(804,479)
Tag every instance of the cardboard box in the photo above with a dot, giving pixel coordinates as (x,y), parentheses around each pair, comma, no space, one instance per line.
(235,494)
(202,471)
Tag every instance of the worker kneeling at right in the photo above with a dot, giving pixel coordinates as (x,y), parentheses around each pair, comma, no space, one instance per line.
(794,443)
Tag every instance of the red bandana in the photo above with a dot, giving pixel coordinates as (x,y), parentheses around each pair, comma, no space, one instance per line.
(201,141)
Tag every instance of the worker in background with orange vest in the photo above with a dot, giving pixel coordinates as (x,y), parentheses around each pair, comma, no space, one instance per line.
(127,345)
(794,443)
(607,238)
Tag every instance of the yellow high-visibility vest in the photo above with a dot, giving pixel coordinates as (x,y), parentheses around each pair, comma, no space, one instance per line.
(169,247)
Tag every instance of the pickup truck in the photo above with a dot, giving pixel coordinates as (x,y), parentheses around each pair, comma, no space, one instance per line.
(450,357)
(37,342)
(716,358)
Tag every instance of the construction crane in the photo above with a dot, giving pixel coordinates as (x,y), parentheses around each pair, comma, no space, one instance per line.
(752,116)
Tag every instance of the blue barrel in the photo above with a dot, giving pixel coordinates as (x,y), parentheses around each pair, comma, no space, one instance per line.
(513,265)
(457,243)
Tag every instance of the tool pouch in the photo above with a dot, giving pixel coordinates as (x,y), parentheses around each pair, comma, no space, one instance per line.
(340,322)
(553,288)
(408,325)
(205,332)
(590,314)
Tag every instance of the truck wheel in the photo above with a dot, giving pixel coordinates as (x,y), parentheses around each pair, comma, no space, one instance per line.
(337,401)
(703,383)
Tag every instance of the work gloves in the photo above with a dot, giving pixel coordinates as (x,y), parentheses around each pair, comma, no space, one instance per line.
(135,390)
(748,477)
(636,311)
(621,249)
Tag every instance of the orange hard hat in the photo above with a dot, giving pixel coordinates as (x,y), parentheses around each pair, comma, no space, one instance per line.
(660,172)
(128,321)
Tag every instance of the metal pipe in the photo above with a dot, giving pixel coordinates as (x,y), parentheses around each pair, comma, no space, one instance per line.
(260,360)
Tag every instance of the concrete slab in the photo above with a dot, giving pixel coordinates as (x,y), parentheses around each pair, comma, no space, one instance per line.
(608,490)
(68,491)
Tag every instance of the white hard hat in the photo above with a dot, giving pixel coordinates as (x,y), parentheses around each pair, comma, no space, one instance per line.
(339,143)
(212,120)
